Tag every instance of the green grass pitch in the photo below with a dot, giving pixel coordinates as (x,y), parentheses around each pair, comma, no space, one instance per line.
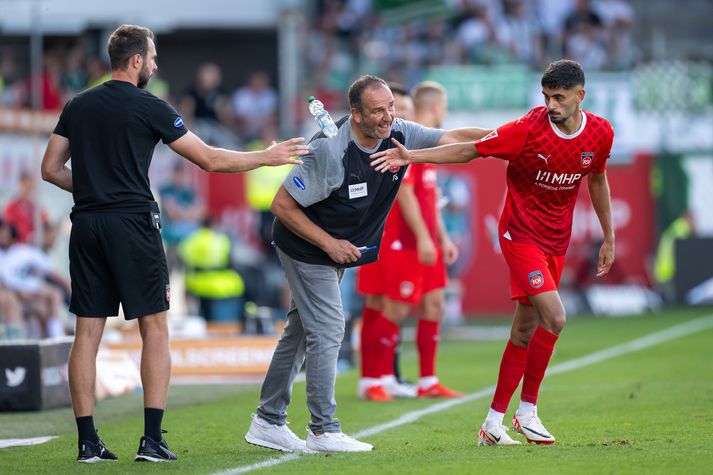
(648,411)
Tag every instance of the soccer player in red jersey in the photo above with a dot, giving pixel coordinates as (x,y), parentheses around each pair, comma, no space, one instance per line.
(550,150)
(371,280)
(411,270)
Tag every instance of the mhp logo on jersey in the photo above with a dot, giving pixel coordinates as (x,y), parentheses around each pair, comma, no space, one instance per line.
(536,279)
(178,122)
(587,158)
(299,183)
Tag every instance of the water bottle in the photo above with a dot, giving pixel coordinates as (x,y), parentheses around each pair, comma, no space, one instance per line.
(316,108)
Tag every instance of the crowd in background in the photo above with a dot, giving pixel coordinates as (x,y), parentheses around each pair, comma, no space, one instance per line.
(346,38)
(33,295)
(352,35)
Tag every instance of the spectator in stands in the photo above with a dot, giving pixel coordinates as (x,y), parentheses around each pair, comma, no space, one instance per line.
(585,37)
(97,71)
(209,277)
(255,106)
(74,77)
(183,209)
(20,211)
(9,75)
(475,35)
(25,269)
(49,84)
(10,309)
(618,18)
(521,34)
(204,99)
(206,106)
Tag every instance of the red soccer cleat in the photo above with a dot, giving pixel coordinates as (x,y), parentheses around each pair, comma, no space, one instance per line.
(438,391)
(376,393)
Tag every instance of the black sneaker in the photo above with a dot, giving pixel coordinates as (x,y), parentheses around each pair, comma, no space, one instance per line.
(90,452)
(152,451)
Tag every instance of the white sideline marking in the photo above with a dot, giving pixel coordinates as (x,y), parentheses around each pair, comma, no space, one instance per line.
(4,443)
(671,333)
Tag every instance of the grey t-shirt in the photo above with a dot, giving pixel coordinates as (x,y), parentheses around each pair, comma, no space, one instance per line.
(340,192)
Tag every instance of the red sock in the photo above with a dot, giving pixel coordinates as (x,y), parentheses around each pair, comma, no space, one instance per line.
(427,337)
(368,340)
(512,367)
(389,343)
(539,352)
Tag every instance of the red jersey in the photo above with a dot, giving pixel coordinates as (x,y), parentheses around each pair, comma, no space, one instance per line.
(397,232)
(544,174)
(21,214)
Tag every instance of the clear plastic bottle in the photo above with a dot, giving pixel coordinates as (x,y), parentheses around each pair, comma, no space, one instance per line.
(316,108)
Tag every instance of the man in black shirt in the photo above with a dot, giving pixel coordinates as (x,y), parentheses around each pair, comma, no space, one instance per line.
(115,249)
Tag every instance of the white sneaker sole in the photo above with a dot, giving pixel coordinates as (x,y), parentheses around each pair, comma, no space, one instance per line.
(271,445)
(327,451)
(95,460)
(518,428)
(487,442)
(147,458)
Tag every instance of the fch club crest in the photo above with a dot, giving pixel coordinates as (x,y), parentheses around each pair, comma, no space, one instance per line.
(536,279)
(587,158)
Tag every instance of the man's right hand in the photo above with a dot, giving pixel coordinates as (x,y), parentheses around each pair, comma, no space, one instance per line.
(283,153)
(427,252)
(342,251)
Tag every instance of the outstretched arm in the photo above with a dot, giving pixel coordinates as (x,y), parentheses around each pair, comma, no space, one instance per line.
(400,156)
(465,134)
(54,163)
(212,159)
(601,201)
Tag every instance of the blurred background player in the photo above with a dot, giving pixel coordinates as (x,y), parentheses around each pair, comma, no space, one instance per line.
(410,270)
(550,150)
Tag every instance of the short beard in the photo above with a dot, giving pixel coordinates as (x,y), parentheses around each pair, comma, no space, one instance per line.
(144,77)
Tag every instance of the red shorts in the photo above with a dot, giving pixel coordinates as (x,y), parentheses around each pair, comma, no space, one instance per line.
(532,271)
(399,276)
(371,277)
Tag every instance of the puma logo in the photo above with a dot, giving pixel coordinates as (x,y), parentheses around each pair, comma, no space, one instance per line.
(539,155)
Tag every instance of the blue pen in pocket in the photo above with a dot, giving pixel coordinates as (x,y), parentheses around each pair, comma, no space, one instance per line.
(364,249)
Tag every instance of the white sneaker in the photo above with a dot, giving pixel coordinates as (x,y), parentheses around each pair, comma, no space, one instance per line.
(529,425)
(335,442)
(495,434)
(272,436)
(396,389)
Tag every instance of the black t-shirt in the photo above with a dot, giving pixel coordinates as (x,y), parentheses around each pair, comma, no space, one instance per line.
(112,130)
(341,193)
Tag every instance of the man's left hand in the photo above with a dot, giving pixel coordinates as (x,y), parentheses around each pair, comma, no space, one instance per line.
(450,252)
(606,258)
(396,157)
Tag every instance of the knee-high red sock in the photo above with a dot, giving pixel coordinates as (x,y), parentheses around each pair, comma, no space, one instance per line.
(369,368)
(512,367)
(389,342)
(539,352)
(427,337)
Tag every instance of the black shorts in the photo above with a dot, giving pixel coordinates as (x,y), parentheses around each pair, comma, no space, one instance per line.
(117,257)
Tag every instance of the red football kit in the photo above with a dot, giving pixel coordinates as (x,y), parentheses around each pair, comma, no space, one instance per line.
(401,277)
(545,170)
(398,273)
